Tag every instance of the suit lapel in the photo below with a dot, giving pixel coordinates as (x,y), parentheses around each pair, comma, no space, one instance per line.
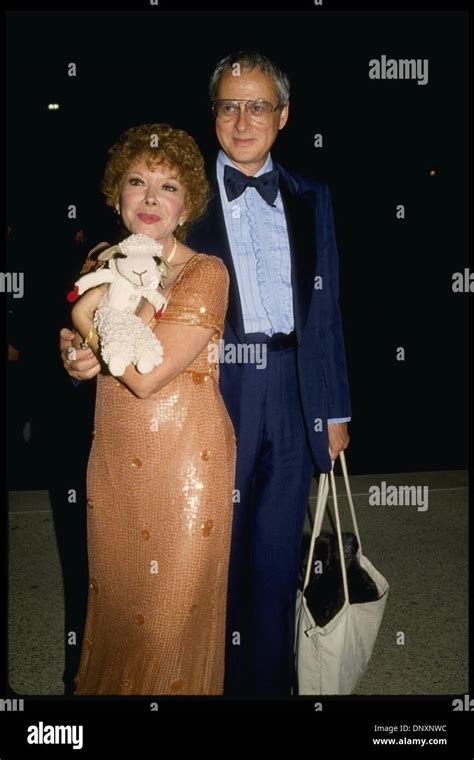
(300,221)
(209,235)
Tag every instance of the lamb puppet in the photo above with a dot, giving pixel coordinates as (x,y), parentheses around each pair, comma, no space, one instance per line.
(134,269)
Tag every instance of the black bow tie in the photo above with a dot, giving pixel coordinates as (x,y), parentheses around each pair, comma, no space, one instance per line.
(266,184)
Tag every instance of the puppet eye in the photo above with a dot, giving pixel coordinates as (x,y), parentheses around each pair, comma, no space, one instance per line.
(120,255)
(157,259)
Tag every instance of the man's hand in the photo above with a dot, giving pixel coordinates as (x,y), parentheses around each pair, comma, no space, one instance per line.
(81,364)
(338,438)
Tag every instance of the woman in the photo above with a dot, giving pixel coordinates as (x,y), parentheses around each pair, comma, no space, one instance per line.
(161,467)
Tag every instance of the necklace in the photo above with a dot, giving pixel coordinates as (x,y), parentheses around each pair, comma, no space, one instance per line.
(173,251)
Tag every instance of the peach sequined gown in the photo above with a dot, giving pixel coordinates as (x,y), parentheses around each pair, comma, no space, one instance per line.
(160,480)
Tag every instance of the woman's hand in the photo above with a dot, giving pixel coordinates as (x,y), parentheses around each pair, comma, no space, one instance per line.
(82,364)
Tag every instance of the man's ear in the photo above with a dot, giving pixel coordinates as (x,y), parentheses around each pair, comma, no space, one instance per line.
(285,110)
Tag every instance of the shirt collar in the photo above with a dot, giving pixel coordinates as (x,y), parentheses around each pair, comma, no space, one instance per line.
(223,160)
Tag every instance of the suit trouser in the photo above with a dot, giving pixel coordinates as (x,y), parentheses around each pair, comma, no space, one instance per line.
(273,477)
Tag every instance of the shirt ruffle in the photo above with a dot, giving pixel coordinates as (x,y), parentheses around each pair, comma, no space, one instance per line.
(267,259)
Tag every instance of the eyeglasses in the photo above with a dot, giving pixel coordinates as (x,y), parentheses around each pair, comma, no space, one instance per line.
(258,111)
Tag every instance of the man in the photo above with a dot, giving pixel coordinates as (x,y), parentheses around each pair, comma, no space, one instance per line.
(274,231)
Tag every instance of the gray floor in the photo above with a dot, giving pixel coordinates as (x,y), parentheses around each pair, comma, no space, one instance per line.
(423,555)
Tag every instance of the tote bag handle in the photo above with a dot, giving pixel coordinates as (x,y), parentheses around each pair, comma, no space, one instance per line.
(321,502)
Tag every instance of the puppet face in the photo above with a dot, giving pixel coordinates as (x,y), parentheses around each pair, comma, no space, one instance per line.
(152,201)
(139,269)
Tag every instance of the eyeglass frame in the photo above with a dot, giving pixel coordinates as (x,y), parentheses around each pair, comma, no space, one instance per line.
(243,100)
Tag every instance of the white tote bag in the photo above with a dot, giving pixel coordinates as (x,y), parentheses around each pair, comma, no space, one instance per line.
(332,658)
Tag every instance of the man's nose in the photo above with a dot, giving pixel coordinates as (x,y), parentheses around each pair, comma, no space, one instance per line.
(243,118)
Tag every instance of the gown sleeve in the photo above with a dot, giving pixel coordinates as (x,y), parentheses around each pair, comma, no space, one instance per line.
(200,296)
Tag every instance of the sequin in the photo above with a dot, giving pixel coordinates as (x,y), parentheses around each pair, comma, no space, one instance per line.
(87,643)
(145,534)
(90,503)
(191,488)
(205,455)
(137,463)
(94,585)
(177,686)
(139,619)
(207,528)
(202,310)
(198,378)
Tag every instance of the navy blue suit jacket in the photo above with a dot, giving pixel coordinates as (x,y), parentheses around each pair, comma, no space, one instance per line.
(322,372)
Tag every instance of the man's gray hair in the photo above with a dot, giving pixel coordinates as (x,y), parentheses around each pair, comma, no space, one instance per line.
(249,59)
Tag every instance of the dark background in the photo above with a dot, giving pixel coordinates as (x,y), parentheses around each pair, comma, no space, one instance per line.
(381,139)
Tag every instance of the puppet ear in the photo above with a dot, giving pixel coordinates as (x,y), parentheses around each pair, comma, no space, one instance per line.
(108,253)
(163,265)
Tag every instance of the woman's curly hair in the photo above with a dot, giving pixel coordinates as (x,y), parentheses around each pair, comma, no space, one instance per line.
(175,148)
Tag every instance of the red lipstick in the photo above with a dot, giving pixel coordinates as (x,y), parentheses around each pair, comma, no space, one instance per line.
(149,218)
